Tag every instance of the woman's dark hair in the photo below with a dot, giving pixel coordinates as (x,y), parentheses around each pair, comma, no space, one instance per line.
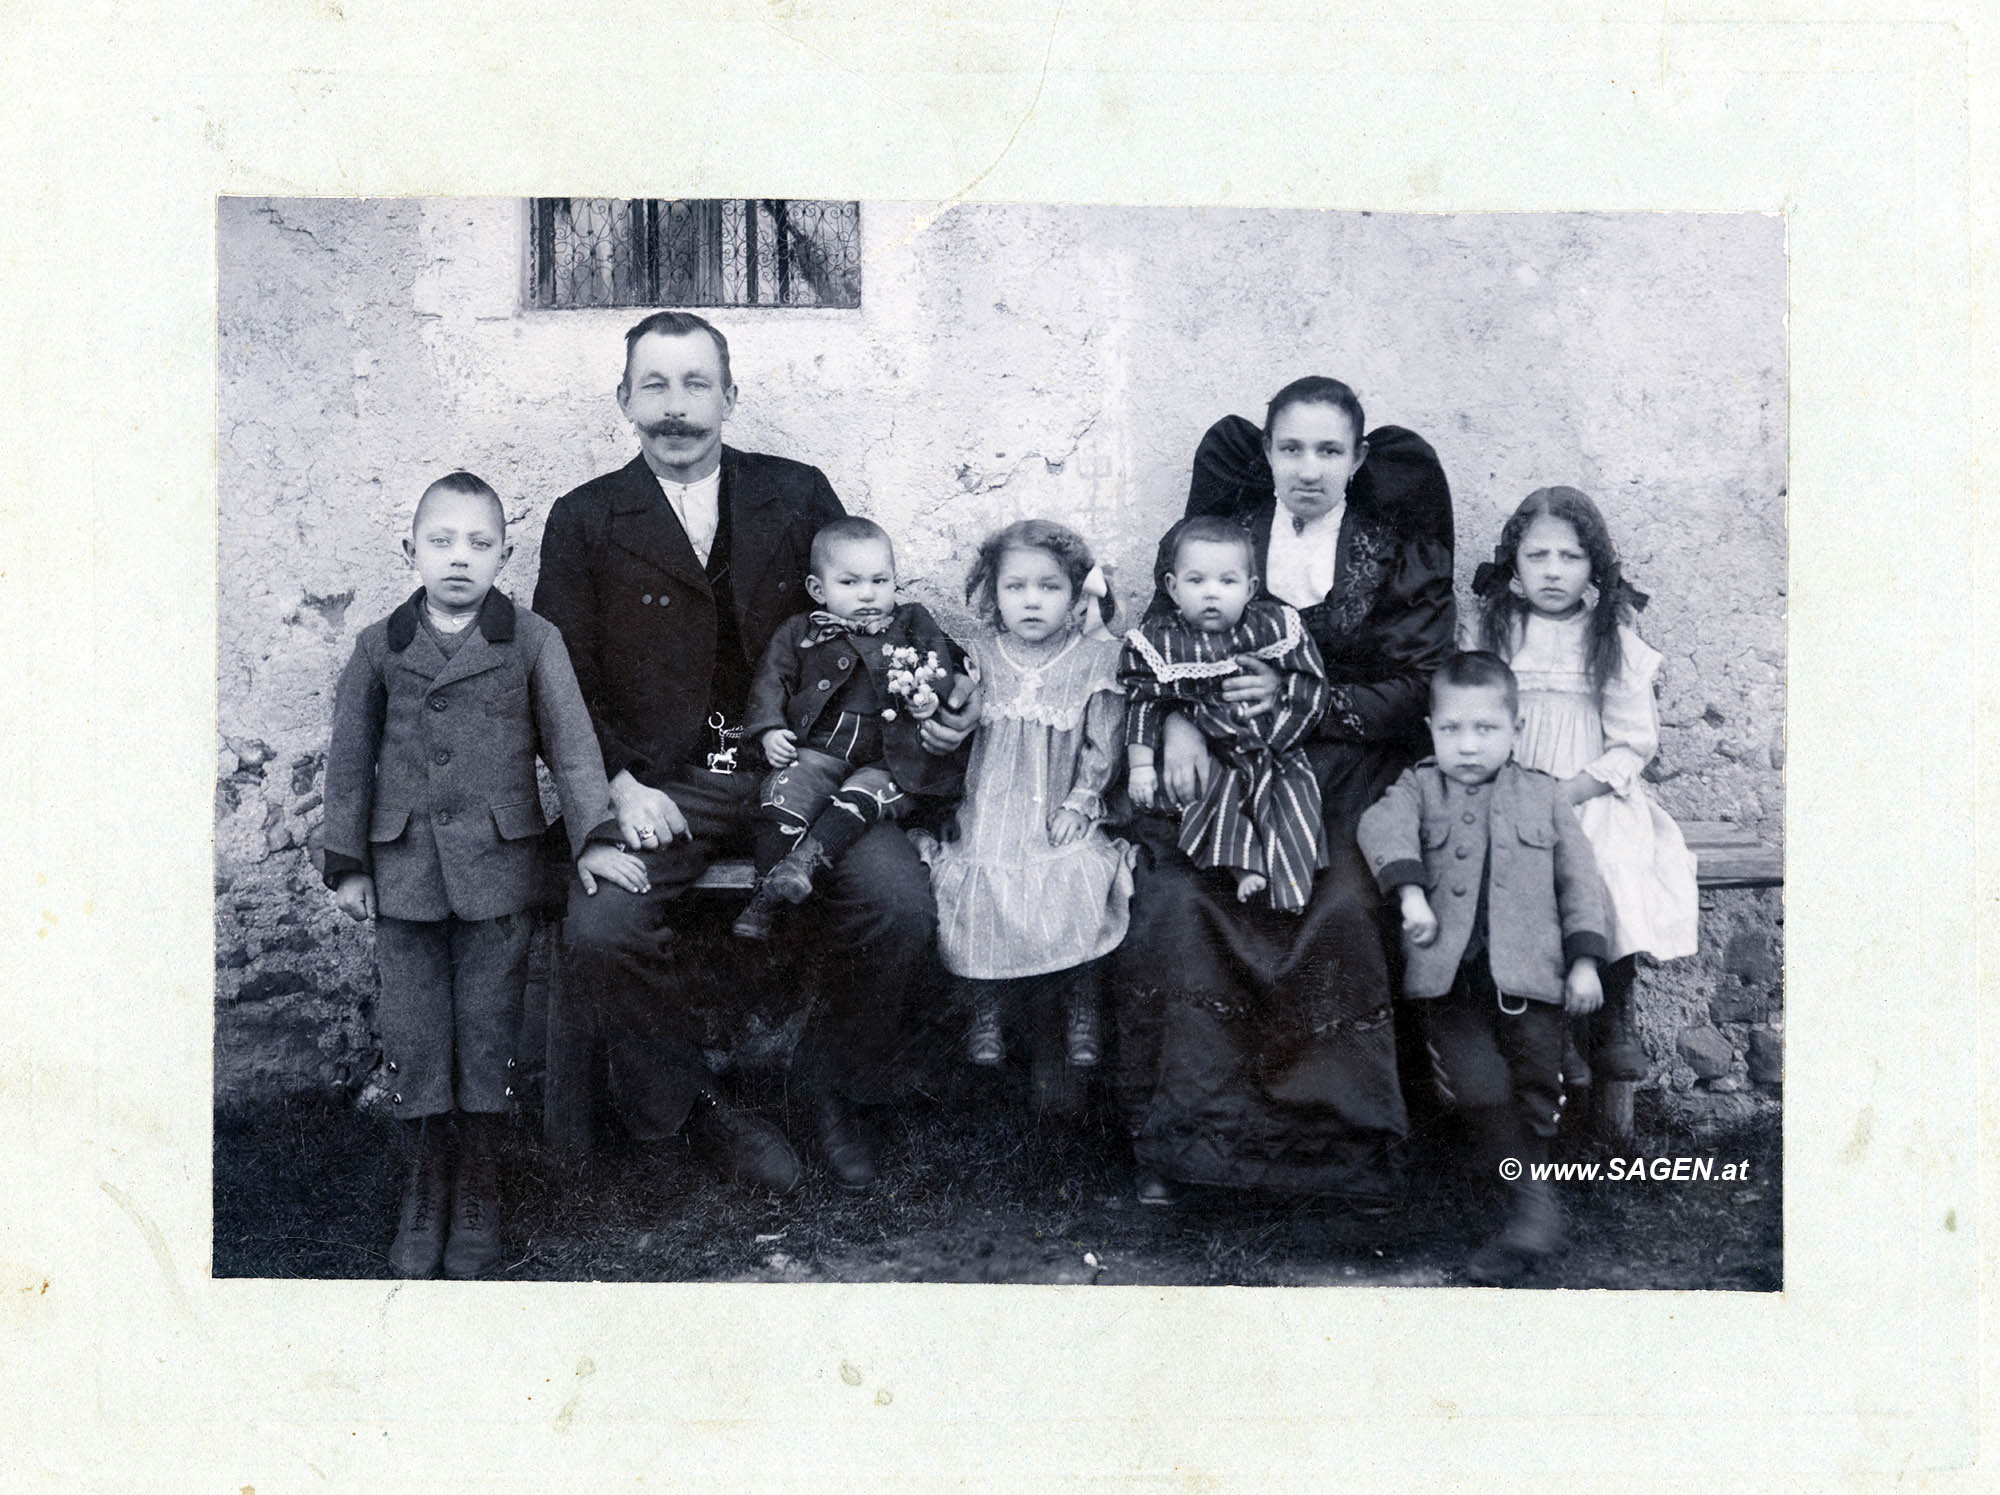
(1501,611)
(1315,389)
(1065,545)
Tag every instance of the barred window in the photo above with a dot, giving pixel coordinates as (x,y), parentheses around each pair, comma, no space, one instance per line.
(651,251)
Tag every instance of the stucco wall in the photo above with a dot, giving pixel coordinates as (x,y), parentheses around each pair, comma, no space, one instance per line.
(1005,361)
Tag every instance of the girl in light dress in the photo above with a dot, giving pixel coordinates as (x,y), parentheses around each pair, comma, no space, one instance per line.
(1553,603)
(1032,892)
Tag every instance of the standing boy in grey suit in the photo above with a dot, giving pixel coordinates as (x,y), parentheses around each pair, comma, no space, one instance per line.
(433,829)
(1504,919)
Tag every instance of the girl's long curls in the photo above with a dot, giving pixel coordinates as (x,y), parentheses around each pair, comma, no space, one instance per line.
(1501,612)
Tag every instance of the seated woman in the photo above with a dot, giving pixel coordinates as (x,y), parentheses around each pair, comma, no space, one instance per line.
(1256,1046)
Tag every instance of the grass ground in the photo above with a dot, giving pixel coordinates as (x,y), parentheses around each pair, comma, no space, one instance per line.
(972,1190)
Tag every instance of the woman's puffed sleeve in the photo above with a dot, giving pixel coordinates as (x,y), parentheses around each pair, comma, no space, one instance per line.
(1630,718)
(1414,623)
(1102,750)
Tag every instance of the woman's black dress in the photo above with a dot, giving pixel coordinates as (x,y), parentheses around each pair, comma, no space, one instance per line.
(1256,1048)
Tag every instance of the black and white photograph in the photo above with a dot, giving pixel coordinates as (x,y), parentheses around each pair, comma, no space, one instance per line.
(1073,745)
(791,741)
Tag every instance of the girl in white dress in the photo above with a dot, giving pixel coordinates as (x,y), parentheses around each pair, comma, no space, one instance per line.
(1554,604)
(1032,892)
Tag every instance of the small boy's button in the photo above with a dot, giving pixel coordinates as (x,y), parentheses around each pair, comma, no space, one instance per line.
(510,1090)
(826,685)
(845,661)
(396,1097)
(1468,817)
(437,703)
(441,757)
(1462,853)
(444,817)
(392,1066)
(1458,890)
(646,599)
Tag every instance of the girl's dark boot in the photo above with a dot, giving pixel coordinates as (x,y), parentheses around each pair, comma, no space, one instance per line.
(1616,1054)
(475,1199)
(420,1223)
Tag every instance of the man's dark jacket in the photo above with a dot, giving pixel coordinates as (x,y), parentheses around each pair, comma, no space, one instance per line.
(638,612)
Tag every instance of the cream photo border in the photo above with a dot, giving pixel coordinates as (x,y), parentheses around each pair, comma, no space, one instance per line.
(129,1368)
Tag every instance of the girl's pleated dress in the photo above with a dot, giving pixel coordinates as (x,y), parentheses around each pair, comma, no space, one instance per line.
(1010,903)
(1647,867)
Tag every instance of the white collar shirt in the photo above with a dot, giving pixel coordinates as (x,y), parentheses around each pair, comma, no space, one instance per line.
(698,506)
(1299,566)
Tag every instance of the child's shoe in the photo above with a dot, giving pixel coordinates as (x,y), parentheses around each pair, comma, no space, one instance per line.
(1082,1031)
(754,923)
(1615,1046)
(985,1044)
(1533,1233)
(475,1205)
(792,878)
(1153,1189)
(421,1221)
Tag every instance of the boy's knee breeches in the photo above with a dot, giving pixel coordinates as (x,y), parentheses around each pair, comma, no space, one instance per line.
(1486,1050)
(794,795)
(450,1010)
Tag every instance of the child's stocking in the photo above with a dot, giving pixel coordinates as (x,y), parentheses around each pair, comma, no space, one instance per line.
(834,829)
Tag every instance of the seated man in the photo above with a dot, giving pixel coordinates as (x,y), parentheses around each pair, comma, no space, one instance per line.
(668,578)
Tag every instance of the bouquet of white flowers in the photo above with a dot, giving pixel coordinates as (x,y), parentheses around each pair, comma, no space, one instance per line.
(911,678)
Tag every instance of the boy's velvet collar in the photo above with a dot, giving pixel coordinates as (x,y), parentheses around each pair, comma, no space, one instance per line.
(496,619)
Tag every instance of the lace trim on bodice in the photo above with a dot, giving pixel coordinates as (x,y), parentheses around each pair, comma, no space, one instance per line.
(1209,669)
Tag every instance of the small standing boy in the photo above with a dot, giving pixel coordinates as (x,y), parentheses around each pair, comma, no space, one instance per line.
(433,830)
(1512,942)
(837,709)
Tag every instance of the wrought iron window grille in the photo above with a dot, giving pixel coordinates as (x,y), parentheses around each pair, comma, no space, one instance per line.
(650,251)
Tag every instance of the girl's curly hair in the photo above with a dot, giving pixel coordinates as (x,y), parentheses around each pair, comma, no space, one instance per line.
(1065,545)
(1501,612)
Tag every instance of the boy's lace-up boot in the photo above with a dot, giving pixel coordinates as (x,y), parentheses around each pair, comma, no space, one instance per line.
(420,1222)
(475,1202)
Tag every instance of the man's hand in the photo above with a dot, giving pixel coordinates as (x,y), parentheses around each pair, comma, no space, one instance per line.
(1583,992)
(648,819)
(1185,762)
(1420,924)
(781,747)
(355,896)
(1253,689)
(954,720)
(1066,826)
(614,865)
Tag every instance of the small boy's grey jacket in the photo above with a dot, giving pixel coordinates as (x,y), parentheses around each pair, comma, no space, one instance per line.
(1546,904)
(430,777)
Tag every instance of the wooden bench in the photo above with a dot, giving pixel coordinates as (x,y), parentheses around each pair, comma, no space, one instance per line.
(1726,855)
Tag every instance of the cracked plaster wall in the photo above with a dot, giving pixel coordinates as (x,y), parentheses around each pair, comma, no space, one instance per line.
(1006,361)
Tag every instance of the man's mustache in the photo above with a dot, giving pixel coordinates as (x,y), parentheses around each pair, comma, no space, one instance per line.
(671,427)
